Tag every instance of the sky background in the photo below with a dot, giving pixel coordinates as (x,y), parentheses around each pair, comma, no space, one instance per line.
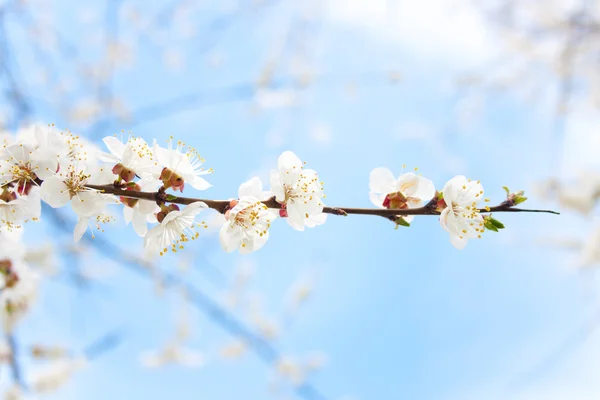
(397,313)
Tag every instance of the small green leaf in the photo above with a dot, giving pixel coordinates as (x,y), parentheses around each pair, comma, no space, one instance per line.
(497,223)
(506,190)
(399,221)
(171,197)
(520,199)
(492,224)
(440,196)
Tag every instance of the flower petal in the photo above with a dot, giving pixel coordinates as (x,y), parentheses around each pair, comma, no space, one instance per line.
(139,223)
(252,187)
(458,242)
(115,146)
(381,180)
(54,192)
(80,228)
(289,166)
(230,237)
(277,186)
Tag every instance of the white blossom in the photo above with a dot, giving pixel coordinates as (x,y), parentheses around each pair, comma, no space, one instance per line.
(407,191)
(135,155)
(179,166)
(18,282)
(14,210)
(70,185)
(298,191)
(461,217)
(248,222)
(175,229)
(56,374)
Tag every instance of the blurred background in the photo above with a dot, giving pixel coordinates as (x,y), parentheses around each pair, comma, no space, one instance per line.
(503,91)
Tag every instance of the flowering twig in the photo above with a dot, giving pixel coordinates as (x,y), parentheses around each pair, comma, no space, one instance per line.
(68,172)
(223,205)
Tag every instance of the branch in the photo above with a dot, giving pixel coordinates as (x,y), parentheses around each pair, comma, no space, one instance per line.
(223,205)
(265,351)
(15,367)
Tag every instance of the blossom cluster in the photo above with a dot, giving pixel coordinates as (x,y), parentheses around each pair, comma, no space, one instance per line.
(42,163)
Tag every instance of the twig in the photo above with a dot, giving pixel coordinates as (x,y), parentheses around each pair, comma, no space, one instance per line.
(222,205)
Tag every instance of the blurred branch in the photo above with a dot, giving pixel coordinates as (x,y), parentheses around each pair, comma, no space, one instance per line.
(218,314)
(15,367)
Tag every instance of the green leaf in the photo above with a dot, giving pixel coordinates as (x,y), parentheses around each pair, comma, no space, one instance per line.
(401,222)
(441,196)
(171,197)
(506,190)
(497,223)
(492,224)
(520,199)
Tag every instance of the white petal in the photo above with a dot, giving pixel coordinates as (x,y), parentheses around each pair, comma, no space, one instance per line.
(416,186)
(315,219)
(19,153)
(197,182)
(289,166)
(139,223)
(458,242)
(88,203)
(252,187)
(295,217)
(146,207)
(54,192)
(277,186)
(153,234)
(381,180)
(127,214)
(80,228)
(115,146)
(230,237)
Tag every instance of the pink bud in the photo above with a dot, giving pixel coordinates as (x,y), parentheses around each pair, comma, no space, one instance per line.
(127,175)
(233,203)
(177,182)
(117,169)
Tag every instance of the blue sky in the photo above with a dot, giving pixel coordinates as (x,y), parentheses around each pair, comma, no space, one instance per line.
(398,313)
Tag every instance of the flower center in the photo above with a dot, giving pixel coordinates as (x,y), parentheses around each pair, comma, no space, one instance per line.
(75,182)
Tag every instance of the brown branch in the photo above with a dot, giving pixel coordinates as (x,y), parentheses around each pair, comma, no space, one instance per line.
(222,205)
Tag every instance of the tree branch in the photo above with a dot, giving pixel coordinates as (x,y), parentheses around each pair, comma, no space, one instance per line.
(222,205)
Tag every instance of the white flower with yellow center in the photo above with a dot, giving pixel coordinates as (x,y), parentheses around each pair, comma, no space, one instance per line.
(461,217)
(14,210)
(298,191)
(22,165)
(131,158)
(179,166)
(175,229)
(70,185)
(407,191)
(248,222)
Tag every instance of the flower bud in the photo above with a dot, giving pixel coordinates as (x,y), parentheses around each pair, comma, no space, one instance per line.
(125,174)
(177,182)
(164,210)
(8,196)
